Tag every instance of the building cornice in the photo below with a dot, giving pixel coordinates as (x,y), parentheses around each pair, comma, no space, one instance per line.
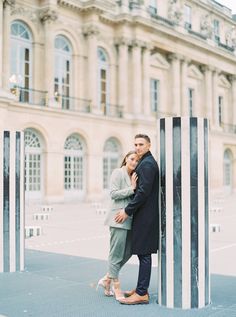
(99,6)
(225,13)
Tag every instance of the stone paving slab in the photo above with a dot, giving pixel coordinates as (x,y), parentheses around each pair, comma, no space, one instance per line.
(56,285)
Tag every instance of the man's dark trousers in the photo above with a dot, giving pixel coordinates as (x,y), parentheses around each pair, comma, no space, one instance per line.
(144,275)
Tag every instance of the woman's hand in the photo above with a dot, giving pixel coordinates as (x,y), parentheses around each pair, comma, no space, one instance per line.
(134,179)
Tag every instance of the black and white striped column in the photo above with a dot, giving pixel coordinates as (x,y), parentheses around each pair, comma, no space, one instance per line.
(12,201)
(184,233)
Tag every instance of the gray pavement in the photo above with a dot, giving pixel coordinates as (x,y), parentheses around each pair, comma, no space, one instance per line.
(64,264)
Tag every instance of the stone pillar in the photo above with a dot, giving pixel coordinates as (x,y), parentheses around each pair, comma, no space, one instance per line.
(1,41)
(48,17)
(184,90)
(5,50)
(6,35)
(175,77)
(184,229)
(234,100)
(208,92)
(12,201)
(146,107)
(215,112)
(91,32)
(136,77)
(123,73)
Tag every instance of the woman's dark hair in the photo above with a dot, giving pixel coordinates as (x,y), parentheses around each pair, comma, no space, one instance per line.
(127,155)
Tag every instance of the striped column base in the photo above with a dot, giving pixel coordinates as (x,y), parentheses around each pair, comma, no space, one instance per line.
(184,244)
(11,201)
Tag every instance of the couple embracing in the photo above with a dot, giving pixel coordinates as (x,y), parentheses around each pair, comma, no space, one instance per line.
(133,220)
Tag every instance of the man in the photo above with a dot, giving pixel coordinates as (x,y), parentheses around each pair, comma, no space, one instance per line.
(145,227)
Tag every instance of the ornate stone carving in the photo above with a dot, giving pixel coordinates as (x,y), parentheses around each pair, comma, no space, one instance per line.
(9,2)
(206,26)
(138,43)
(48,15)
(175,13)
(174,56)
(230,37)
(123,41)
(90,30)
(31,15)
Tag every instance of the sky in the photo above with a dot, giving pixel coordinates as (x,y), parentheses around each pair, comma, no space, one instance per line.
(230,4)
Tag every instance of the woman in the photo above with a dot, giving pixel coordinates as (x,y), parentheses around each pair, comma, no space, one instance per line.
(123,184)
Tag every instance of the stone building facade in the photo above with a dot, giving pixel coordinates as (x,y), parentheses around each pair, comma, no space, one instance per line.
(82,77)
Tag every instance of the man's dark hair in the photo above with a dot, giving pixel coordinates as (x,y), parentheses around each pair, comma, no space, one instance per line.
(143,136)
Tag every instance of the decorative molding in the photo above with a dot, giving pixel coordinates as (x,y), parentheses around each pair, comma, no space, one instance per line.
(30,14)
(207,68)
(119,41)
(158,60)
(90,30)
(232,78)
(223,81)
(174,56)
(138,43)
(186,60)
(11,3)
(194,72)
(48,15)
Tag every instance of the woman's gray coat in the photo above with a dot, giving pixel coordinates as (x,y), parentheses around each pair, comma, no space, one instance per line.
(121,192)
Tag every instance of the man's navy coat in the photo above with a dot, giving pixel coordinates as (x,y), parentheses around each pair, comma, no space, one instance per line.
(145,207)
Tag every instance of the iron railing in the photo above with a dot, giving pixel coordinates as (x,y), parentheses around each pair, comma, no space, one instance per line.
(111,110)
(41,98)
(31,96)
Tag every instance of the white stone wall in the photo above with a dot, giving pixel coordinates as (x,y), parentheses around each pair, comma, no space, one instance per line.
(139,48)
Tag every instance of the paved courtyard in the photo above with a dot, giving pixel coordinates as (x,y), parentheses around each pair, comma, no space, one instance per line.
(64,263)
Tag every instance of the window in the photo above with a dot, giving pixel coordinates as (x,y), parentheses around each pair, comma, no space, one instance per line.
(216,30)
(21,61)
(154,95)
(110,160)
(220,107)
(187,17)
(74,164)
(153,7)
(190,101)
(33,162)
(103,74)
(62,72)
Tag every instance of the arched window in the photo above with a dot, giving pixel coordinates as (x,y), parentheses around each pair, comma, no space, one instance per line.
(33,163)
(111,157)
(74,165)
(62,71)
(228,169)
(21,60)
(103,80)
